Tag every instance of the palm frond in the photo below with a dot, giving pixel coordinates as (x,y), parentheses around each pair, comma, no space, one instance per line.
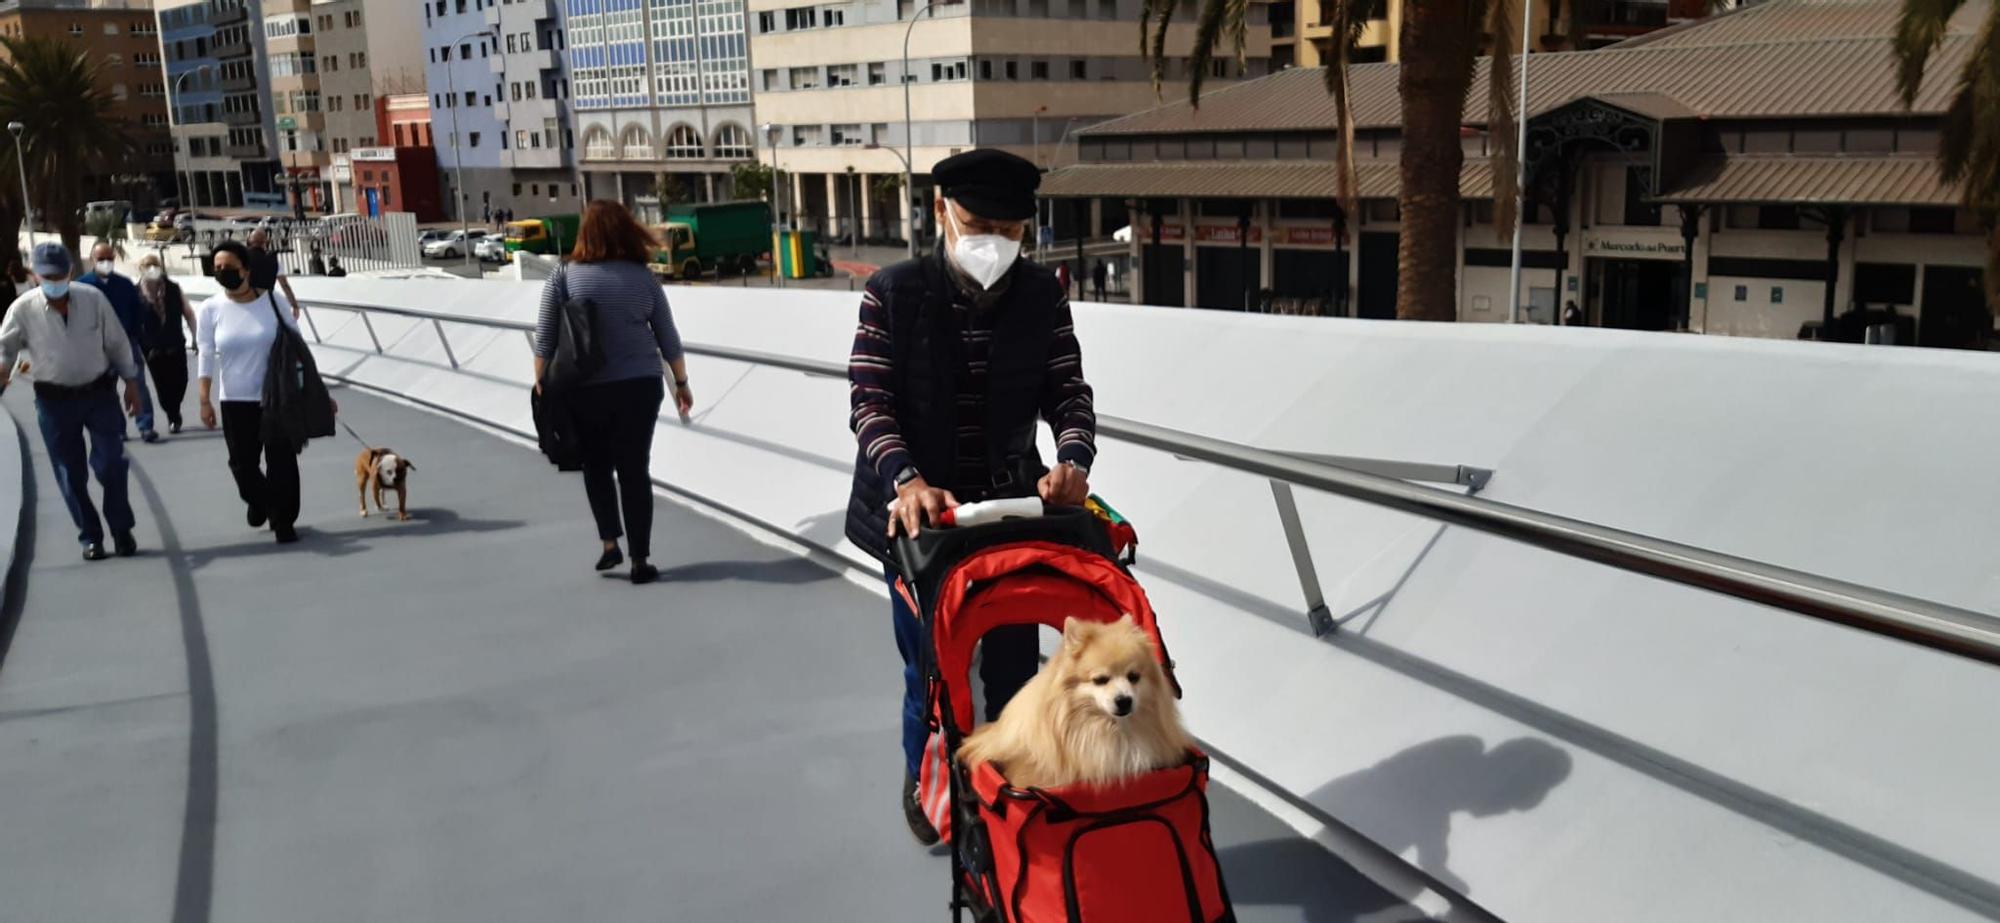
(1156,16)
(1348,20)
(1502,125)
(1919,31)
(1208,27)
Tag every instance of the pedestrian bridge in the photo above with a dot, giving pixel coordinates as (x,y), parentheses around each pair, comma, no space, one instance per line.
(1418,579)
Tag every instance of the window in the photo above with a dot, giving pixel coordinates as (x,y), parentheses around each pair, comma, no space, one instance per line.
(1080,70)
(805,78)
(802,17)
(805,135)
(1637,210)
(1039,70)
(472,138)
(986,70)
(878,73)
(684,143)
(767,79)
(1013,70)
(637,143)
(842,75)
(832,17)
(767,21)
(848,136)
(597,145)
(732,141)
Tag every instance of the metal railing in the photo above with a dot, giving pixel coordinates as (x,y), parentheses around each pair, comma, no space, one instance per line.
(1388,484)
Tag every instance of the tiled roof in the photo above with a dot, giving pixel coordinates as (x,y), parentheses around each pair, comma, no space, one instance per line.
(1786,180)
(1261,179)
(1787,58)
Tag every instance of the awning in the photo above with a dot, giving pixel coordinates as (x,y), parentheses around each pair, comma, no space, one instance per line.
(1795,180)
(1240,179)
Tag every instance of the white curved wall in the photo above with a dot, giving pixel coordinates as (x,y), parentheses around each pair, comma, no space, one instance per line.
(1563,741)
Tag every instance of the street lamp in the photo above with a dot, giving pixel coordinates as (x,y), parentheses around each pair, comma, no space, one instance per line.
(906,178)
(21,166)
(458,148)
(909,151)
(177,145)
(854,211)
(771,134)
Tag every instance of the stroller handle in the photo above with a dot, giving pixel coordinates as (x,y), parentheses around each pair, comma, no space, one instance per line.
(924,558)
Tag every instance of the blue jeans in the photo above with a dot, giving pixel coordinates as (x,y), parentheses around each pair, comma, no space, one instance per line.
(63,422)
(145,419)
(1008,658)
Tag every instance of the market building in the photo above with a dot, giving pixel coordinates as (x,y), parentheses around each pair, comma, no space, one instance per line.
(1797,192)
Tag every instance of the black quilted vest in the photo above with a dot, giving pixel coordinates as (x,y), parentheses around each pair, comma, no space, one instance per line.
(924,335)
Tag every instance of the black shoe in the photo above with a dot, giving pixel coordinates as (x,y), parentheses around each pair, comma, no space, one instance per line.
(125,544)
(174,427)
(150,436)
(256,517)
(286,534)
(644,573)
(913,812)
(611,558)
(94,551)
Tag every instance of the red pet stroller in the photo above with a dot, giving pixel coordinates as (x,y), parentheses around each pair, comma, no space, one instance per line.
(1139,852)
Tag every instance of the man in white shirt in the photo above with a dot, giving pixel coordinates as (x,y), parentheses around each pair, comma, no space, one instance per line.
(79,351)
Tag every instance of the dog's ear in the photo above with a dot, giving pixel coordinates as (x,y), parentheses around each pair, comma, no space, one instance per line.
(1128,621)
(1074,630)
(404,464)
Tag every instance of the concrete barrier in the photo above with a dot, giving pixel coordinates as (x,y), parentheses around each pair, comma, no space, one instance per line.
(1561,741)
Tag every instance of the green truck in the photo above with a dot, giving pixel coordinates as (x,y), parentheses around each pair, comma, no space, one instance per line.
(720,236)
(553,234)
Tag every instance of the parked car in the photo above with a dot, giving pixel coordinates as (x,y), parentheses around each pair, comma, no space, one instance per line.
(490,249)
(453,245)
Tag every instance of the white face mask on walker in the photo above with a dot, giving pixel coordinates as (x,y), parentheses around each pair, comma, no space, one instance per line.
(984,257)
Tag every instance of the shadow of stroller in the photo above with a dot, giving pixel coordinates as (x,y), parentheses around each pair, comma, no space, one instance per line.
(785,571)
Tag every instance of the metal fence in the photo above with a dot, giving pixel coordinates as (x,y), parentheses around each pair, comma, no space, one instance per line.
(357,243)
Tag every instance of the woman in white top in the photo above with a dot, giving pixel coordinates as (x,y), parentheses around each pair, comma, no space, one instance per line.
(234,332)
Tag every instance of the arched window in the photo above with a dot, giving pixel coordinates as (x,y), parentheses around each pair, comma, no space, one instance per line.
(684,143)
(637,142)
(597,144)
(732,142)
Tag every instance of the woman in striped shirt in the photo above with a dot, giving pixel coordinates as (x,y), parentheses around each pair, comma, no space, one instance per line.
(616,409)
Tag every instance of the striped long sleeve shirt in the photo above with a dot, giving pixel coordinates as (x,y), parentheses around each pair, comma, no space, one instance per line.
(1065,403)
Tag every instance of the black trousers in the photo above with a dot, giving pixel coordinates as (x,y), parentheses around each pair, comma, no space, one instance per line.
(273,485)
(614,423)
(170,380)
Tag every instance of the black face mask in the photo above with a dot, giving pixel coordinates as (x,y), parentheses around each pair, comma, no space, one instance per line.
(229,279)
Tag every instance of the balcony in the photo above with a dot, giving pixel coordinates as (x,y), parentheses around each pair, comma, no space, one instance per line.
(243,119)
(541,59)
(253,151)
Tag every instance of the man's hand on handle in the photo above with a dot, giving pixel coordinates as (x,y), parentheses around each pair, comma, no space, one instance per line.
(919,504)
(1065,485)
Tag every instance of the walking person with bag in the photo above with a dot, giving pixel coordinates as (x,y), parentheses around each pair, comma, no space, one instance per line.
(166,355)
(608,380)
(237,332)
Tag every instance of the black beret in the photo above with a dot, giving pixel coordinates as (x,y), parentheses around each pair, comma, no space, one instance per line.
(990,183)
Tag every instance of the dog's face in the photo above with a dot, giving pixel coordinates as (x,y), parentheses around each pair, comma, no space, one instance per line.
(390,469)
(1110,668)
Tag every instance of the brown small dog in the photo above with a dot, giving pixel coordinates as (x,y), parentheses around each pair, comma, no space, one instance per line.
(380,470)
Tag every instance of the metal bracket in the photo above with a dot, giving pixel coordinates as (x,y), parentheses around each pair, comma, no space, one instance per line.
(438,325)
(365,322)
(310,323)
(1318,617)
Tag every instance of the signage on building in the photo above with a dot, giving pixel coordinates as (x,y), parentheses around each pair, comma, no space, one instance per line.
(1635,246)
(1319,236)
(1169,233)
(288,124)
(1223,234)
(375,154)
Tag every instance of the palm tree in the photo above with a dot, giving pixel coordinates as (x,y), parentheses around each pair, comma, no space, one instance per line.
(1970,152)
(53,88)
(1441,41)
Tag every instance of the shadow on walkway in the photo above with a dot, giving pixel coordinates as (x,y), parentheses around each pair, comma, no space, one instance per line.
(784,571)
(335,543)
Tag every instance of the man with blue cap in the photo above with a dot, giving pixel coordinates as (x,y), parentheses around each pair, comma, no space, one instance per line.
(80,352)
(956,356)
(131,310)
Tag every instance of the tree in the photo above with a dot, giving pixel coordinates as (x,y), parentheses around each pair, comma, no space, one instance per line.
(669,189)
(1441,42)
(1970,150)
(752,180)
(54,89)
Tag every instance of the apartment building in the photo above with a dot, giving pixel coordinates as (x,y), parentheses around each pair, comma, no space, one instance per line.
(831,86)
(368,50)
(121,37)
(661,90)
(500,103)
(218,91)
(1300,37)
(298,104)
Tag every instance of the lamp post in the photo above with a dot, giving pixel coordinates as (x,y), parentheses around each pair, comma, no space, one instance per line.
(1521,177)
(854,211)
(458,149)
(909,150)
(177,147)
(771,133)
(21,166)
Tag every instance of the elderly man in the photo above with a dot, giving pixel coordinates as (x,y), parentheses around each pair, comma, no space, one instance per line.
(956,355)
(80,351)
(131,311)
(265,273)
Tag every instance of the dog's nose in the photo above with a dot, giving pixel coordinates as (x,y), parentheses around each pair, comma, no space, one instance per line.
(1123,704)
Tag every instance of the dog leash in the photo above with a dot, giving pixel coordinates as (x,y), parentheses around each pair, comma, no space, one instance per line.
(351,432)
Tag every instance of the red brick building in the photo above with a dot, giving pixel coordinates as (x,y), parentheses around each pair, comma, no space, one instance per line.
(397,179)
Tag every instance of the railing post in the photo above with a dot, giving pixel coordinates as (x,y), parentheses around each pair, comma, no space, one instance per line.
(530,334)
(1318,617)
(310,323)
(365,322)
(438,325)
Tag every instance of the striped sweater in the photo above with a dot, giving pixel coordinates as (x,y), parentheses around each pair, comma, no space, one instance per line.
(1066,397)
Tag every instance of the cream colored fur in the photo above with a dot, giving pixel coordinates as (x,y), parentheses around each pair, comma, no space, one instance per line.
(1063,728)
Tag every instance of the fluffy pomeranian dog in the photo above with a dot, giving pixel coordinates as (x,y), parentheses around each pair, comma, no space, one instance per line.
(1100,711)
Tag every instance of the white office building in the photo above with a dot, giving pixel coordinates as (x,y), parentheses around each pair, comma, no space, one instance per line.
(499,103)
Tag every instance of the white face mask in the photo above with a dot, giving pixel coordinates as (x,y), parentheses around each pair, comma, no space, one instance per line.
(984,257)
(152,273)
(104,268)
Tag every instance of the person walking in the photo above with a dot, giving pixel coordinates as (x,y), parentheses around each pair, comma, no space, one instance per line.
(80,352)
(333,268)
(266,275)
(234,331)
(166,353)
(131,310)
(616,407)
(955,356)
(1098,275)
